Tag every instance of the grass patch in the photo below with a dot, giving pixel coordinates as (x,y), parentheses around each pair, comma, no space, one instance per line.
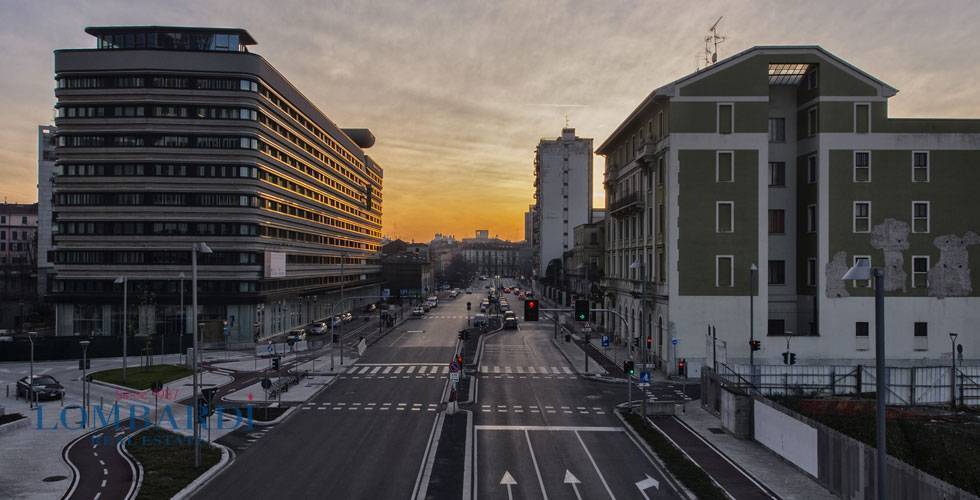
(141,378)
(168,461)
(689,474)
(10,417)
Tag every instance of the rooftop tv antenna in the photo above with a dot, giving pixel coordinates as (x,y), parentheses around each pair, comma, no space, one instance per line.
(711,43)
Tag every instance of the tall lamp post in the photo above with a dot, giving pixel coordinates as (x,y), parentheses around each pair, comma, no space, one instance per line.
(84,344)
(862,270)
(124,281)
(30,337)
(637,264)
(952,352)
(183,322)
(753,269)
(195,249)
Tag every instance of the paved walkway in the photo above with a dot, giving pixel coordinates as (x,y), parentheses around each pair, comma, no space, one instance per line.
(779,476)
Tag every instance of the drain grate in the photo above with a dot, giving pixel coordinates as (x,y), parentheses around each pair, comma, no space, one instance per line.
(716,430)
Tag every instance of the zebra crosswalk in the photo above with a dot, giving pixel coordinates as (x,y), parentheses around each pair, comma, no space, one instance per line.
(531,370)
(397,371)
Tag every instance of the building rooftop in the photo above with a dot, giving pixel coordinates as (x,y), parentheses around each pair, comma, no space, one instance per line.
(171,38)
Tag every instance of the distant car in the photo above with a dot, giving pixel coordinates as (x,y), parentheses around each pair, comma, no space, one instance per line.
(44,387)
(510,323)
(418,311)
(506,290)
(426,306)
(347,317)
(480,320)
(509,314)
(469,290)
(296,335)
(317,328)
(370,307)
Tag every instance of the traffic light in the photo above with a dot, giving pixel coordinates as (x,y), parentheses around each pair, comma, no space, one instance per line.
(755,344)
(789,358)
(628,368)
(649,342)
(581,310)
(275,363)
(682,367)
(531,310)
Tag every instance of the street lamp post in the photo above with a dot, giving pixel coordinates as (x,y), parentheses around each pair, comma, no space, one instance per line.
(124,281)
(183,322)
(30,337)
(753,269)
(202,248)
(952,352)
(862,270)
(84,344)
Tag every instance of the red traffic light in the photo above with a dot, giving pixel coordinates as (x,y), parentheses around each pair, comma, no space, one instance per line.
(532,304)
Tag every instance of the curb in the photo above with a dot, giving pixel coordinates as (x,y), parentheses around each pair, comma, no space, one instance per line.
(16,424)
(134,464)
(637,438)
(197,484)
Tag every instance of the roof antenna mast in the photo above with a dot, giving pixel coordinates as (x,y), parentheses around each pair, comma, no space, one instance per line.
(711,43)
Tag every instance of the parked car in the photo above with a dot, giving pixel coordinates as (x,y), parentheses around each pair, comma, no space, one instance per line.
(434,300)
(317,328)
(480,320)
(426,306)
(510,323)
(44,387)
(418,311)
(296,335)
(370,308)
(347,317)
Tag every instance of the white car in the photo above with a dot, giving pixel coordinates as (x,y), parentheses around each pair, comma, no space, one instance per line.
(317,328)
(418,311)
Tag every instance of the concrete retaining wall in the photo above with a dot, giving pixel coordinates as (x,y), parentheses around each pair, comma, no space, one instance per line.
(790,438)
(736,413)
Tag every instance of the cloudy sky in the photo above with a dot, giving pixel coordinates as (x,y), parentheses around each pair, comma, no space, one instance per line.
(459,92)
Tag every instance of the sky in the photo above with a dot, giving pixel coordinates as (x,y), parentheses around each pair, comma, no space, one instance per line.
(458,92)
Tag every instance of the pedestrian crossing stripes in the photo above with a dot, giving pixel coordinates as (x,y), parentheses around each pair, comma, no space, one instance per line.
(444,316)
(536,370)
(370,407)
(546,409)
(420,369)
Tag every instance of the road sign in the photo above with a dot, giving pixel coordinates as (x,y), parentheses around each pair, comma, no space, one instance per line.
(454,377)
(454,366)
(156,386)
(675,341)
(645,376)
(605,341)
(266,383)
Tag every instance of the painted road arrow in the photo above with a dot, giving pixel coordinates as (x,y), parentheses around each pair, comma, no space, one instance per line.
(572,480)
(510,482)
(649,482)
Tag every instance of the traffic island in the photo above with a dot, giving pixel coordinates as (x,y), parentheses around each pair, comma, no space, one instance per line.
(693,478)
(167,460)
(142,378)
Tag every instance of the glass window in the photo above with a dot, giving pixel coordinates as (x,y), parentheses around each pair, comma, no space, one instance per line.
(726,118)
(724,268)
(811,272)
(811,169)
(862,118)
(811,218)
(861,328)
(861,283)
(862,217)
(777,130)
(777,272)
(920,216)
(812,123)
(920,271)
(921,329)
(862,166)
(920,166)
(724,169)
(777,174)
(777,221)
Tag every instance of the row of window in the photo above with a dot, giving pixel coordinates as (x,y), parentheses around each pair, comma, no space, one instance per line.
(316,216)
(157,111)
(157,286)
(157,199)
(920,217)
(156,81)
(155,257)
(653,130)
(317,195)
(170,41)
(862,166)
(158,141)
(16,235)
(3,220)
(326,260)
(725,277)
(15,247)
(318,238)
(313,171)
(129,228)
(158,170)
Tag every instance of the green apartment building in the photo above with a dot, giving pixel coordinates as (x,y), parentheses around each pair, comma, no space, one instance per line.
(784,159)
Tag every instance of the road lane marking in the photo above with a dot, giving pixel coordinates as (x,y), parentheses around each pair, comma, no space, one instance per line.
(97,495)
(422,369)
(411,369)
(543,369)
(483,369)
(105,472)
(507,369)
(399,369)
(496,369)
(376,370)
(554,369)
(103,484)
(596,467)
(445,369)
(388,370)
(566,369)
(531,370)
(534,460)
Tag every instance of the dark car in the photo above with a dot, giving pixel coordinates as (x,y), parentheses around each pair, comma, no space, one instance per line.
(45,387)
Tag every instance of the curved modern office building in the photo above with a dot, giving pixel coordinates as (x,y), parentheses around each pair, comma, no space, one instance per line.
(168,136)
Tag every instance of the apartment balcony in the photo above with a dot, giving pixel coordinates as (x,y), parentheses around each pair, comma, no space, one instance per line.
(626,205)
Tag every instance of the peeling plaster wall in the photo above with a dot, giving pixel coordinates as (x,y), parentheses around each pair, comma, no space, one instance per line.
(892,238)
(835,269)
(950,277)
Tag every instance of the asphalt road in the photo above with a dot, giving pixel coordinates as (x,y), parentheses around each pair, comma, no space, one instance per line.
(364,436)
(543,432)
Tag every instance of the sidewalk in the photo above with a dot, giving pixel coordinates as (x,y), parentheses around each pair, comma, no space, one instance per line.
(782,478)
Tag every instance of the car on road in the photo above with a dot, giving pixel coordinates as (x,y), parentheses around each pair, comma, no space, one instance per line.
(337,320)
(296,335)
(347,317)
(318,328)
(370,308)
(510,323)
(469,290)
(484,306)
(480,320)
(43,387)
(418,311)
